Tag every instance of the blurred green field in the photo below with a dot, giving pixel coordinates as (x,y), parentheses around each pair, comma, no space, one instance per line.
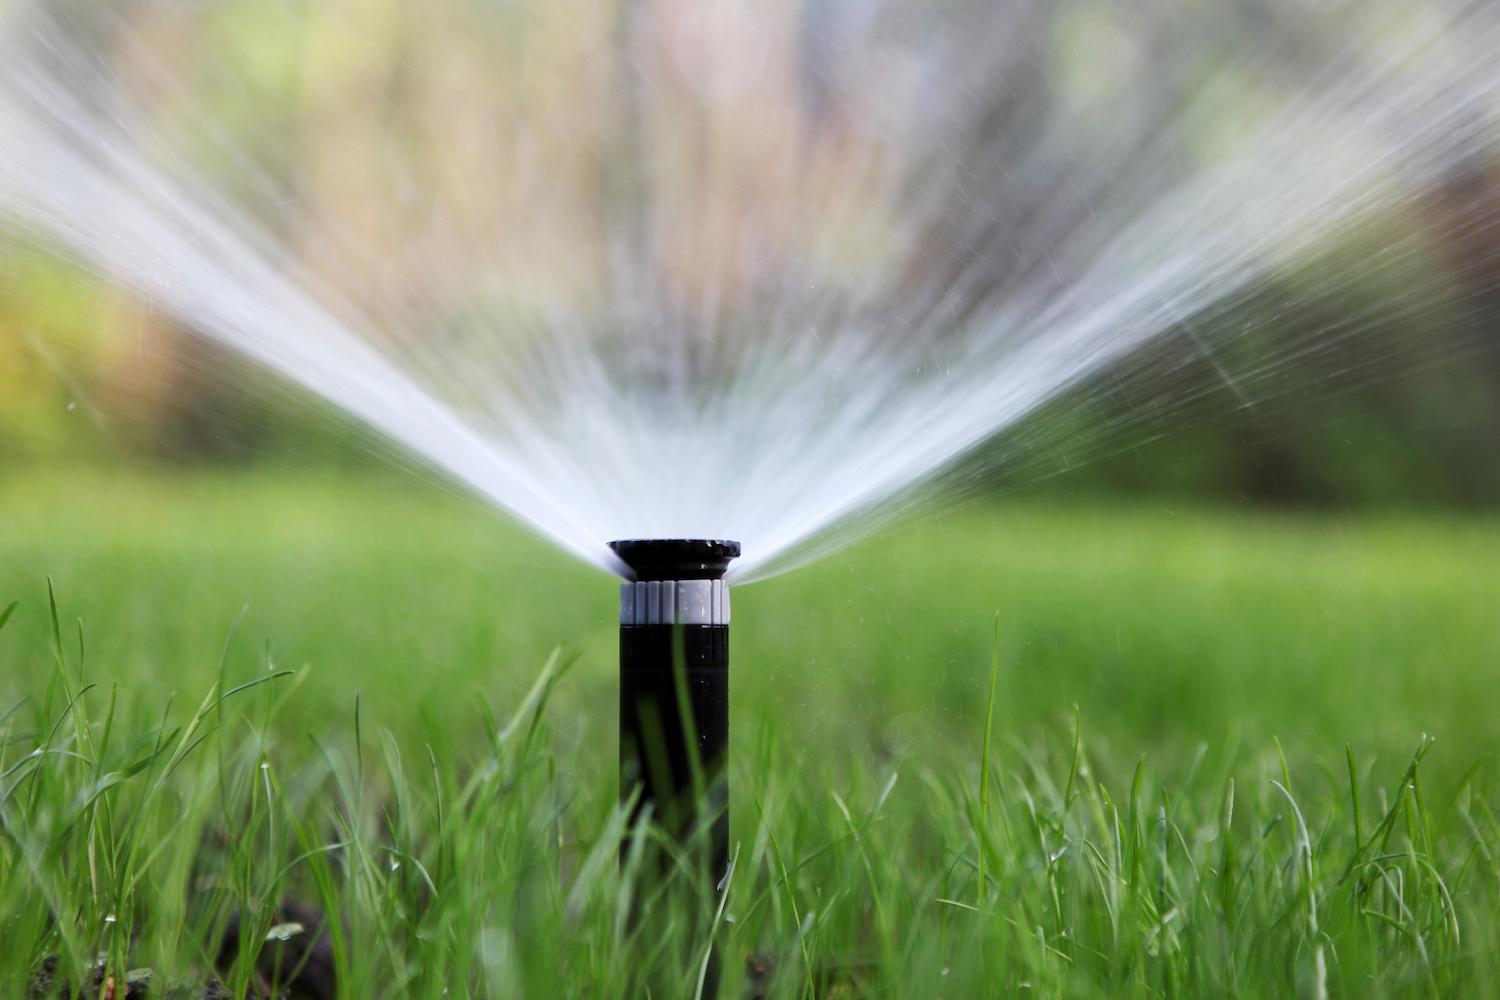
(1168,628)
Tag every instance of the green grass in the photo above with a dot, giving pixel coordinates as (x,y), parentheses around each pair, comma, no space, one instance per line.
(460,821)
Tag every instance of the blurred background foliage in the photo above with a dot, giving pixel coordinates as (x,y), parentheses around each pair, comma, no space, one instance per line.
(1367,376)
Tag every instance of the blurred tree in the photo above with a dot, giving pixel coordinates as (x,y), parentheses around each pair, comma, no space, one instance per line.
(49,334)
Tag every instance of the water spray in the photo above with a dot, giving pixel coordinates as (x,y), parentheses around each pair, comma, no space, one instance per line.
(674,685)
(921,223)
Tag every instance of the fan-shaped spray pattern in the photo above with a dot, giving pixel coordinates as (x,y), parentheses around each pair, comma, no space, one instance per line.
(762,271)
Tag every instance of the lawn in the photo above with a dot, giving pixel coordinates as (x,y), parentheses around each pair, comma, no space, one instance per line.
(1208,642)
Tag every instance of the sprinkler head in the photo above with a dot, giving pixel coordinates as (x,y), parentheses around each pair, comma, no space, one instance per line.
(676,558)
(678,581)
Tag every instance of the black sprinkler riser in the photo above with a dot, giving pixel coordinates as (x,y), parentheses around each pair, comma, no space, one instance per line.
(677,610)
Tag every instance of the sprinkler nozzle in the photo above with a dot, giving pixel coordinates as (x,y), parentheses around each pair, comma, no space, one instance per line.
(676,558)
